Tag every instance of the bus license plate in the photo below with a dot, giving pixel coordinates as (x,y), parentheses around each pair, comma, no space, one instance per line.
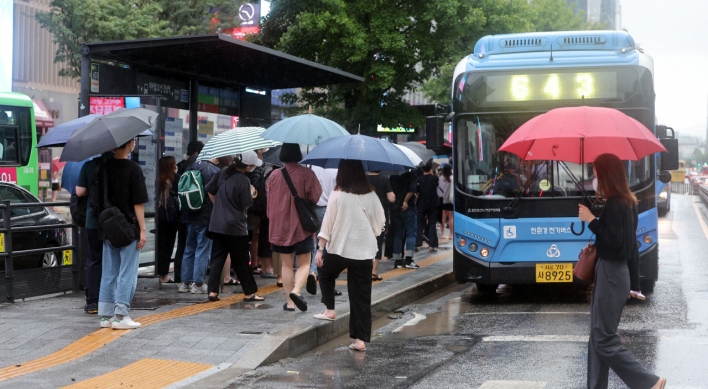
(554,272)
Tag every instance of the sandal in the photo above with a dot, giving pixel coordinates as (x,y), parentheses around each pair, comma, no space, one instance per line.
(256,270)
(232,281)
(286,308)
(376,277)
(254,297)
(214,298)
(299,302)
(355,348)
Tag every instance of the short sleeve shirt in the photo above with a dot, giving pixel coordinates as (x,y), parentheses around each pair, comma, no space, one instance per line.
(382,185)
(233,198)
(126,188)
(85,180)
(428,191)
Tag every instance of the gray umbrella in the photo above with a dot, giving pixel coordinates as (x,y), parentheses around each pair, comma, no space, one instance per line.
(107,133)
(419,149)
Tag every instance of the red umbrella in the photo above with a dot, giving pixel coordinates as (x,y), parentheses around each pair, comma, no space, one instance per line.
(578,134)
(57,165)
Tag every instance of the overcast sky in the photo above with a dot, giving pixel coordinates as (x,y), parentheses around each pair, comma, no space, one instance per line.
(675,34)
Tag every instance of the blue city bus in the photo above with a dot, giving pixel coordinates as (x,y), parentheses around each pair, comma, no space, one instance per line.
(516,221)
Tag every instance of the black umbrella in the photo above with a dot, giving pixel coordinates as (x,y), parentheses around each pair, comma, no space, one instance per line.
(272,156)
(106,133)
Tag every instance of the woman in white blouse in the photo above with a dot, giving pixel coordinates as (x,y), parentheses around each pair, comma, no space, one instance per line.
(353,220)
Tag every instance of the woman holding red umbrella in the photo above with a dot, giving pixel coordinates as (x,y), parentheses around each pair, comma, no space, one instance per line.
(615,230)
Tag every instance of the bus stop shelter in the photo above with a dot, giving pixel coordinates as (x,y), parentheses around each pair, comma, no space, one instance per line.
(188,78)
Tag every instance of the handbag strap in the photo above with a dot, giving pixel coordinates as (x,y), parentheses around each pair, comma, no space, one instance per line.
(364,209)
(286,176)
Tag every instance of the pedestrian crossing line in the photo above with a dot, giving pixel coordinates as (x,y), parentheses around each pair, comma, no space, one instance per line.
(401,271)
(146,373)
(537,338)
(99,338)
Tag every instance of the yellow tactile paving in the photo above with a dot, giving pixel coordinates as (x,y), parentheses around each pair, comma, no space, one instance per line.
(401,271)
(100,338)
(145,373)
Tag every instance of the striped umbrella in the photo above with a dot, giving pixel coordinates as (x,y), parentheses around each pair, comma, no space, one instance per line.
(236,141)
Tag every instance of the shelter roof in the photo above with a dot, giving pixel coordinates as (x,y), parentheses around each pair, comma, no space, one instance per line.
(220,60)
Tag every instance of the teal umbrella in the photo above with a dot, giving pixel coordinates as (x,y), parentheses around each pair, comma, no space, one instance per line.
(236,141)
(305,129)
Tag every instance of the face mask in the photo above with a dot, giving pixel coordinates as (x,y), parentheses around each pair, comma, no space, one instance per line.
(594,184)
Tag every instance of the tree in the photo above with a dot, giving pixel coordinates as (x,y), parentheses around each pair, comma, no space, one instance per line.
(504,17)
(392,44)
(75,22)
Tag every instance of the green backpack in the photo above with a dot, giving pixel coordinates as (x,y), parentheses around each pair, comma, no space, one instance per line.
(190,191)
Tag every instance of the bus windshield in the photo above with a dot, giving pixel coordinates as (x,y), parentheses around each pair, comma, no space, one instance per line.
(484,172)
(15,136)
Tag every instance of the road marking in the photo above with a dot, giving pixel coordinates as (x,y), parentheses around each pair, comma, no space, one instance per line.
(700,219)
(415,320)
(536,338)
(527,313)
(145,373)
(513,385)
(99,338)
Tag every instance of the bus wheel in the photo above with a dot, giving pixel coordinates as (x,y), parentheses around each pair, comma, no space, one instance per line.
(647,286)
(487,288)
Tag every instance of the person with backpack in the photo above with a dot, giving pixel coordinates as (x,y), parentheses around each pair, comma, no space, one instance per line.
(193,150)
(196,208)
(167,217)
(121,203)
(94,240)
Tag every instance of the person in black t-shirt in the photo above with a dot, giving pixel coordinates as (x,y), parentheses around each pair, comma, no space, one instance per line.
(403,218)
(384,191)
(428,207)
(127,192)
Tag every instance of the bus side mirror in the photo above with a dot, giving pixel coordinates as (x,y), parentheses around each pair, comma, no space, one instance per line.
(434,133)
(670,159)
(665,176)
(662,132)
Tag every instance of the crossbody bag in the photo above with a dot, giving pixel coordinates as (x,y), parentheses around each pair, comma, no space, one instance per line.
(305,208)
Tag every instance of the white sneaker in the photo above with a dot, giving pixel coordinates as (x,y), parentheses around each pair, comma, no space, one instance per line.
(106,322)
(200,289)
(126,324)
(184,288)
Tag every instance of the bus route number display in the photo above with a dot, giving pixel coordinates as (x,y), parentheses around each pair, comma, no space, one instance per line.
(552,86)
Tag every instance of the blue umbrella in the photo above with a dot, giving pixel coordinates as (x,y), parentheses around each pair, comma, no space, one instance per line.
(375,154)
(306,129)
(59,135)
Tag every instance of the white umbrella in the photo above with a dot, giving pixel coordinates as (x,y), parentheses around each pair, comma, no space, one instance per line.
(236,141)
(410,154)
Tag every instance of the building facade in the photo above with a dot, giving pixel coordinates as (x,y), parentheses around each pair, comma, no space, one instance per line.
(608,12)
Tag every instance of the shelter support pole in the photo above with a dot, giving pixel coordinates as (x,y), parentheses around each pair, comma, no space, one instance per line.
(193,100)
(84,102)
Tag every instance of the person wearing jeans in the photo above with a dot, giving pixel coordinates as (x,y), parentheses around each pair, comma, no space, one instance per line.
(126,191)
(197,250)
(404,221)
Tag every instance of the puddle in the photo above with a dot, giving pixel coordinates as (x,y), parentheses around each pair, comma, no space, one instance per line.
(151,304)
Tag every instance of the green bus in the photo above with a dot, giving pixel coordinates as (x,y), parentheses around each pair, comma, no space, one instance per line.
(18,141)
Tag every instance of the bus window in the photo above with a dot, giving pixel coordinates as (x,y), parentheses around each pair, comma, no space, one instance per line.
(15,136)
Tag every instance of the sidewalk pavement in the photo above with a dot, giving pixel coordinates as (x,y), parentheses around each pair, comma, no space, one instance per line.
(185,341)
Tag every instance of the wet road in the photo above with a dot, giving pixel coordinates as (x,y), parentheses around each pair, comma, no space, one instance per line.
(527,337)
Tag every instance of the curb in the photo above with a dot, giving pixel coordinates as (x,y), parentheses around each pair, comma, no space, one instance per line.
(296,341)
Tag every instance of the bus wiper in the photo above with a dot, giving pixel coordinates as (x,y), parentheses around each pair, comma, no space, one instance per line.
(510,208)
(586,198)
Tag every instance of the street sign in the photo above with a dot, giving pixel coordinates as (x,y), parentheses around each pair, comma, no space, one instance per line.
(2,242)
(66,258)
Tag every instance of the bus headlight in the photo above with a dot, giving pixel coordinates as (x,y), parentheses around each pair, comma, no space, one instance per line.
(647,239)
(664,195)
(462,242)
(484,252)
(473,247)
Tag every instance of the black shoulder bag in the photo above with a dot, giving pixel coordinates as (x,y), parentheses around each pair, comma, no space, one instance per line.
(114,224)
(77,208)
(305,209)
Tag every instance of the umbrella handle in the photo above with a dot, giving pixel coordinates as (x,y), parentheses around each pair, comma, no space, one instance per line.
(582,228)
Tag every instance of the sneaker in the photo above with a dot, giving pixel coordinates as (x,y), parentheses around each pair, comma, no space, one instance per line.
(184,288)
(199,289)
(91,308)
(502,288)
(398,263)
(106,322)
(411,265)
(126,324)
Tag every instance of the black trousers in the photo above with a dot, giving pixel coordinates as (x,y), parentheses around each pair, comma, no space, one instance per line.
(239,248)
(605,350)
(427,220)
(181,244)
(390,236)
(358,287)
(166,235)
(94,265)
